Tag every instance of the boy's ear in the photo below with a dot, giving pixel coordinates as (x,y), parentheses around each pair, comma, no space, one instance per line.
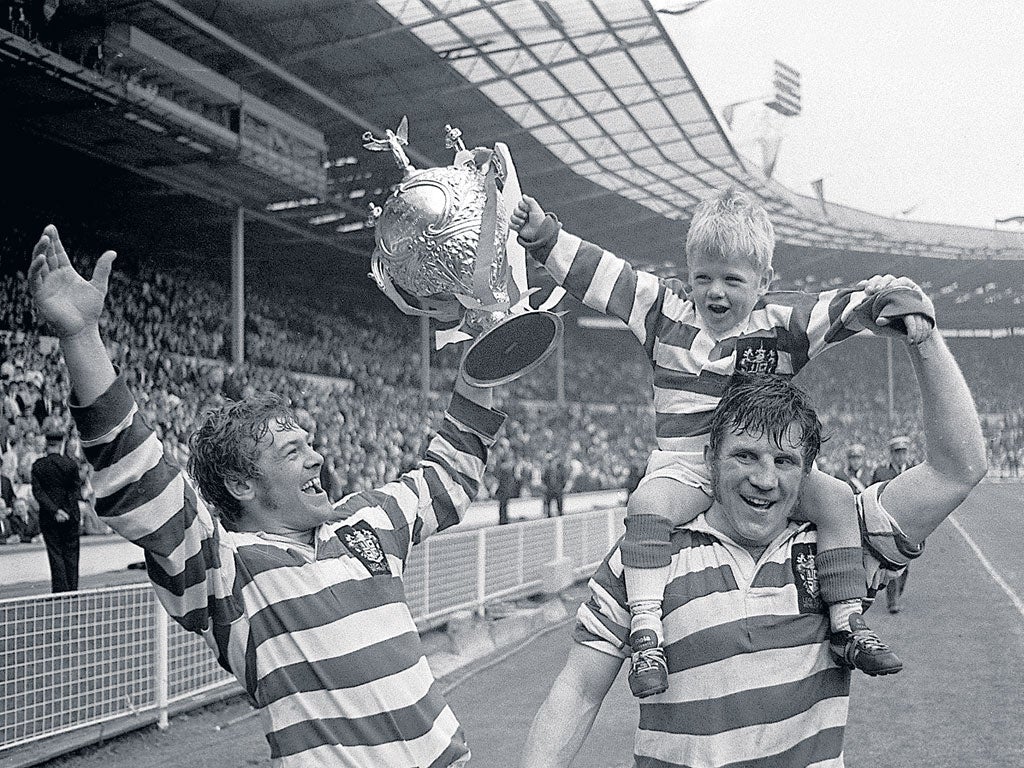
(766,279)
(243,490)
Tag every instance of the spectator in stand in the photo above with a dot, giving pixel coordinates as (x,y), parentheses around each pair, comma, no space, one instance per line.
(56,488)
(7,531)
(555,478)
(855,474)
(899,462)
(25,522)
(7,491)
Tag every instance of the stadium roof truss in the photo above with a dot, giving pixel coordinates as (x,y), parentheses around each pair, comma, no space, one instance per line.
(605,122)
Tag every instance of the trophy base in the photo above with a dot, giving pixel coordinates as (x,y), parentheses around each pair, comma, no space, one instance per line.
(512,348)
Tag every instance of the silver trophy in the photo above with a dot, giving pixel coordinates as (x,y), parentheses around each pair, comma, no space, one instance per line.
(441,252)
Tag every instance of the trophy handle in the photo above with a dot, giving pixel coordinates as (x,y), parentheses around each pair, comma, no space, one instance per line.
(512,348)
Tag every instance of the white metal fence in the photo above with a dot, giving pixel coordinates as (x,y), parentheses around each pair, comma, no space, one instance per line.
(78,659)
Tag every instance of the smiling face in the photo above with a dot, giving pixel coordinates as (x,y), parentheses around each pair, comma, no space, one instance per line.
(756,482)
(286,498)
(724,290)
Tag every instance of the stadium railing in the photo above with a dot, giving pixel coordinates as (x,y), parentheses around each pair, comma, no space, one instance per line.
(91,657)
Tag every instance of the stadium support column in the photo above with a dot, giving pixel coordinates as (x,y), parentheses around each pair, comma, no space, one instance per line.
(560,371)
(891,383)
(425,365)
(238,288)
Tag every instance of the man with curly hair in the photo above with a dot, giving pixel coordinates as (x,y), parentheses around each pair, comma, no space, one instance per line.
(301,599)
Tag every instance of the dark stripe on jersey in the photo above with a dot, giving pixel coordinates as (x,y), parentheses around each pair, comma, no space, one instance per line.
(583,268)
(755,633)
(690,586)
(464,442)
(838,304)
(774,575)
(467,483)
(135,494)
(620,302)
(682,424)
(315,609)
(753,707)
(444,508)
(676,334)
(827,744)
(583,634)
(194,570)
(128,440)
(394,726)
(704,383)
(654,320)
(396,541)
(375,662)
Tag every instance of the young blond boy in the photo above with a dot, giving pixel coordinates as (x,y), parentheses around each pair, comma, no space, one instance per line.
(698,334)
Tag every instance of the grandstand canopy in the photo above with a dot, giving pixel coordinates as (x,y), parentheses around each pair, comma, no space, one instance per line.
(604,120)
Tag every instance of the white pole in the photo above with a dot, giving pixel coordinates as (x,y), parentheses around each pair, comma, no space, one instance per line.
(892,387)
(481,571)
(160,662)
(238,288)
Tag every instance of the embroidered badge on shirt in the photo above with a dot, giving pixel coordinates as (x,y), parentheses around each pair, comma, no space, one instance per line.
(757,354)
(805,576)
(362,541)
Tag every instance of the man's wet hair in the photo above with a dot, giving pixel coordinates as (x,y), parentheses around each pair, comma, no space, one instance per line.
(762,404)
(227,446)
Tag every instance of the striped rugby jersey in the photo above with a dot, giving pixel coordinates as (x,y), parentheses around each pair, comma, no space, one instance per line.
(691,367)
(752,681)
(320,636)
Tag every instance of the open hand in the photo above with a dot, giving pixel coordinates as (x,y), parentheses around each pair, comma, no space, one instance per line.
(527,218)
(68,302)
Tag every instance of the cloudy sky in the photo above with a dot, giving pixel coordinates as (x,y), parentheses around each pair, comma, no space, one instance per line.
(906,105)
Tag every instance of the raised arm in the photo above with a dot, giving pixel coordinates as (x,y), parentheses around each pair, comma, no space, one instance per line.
(72,307)
(436,494)
(923,496)
(596,277)
(138,493)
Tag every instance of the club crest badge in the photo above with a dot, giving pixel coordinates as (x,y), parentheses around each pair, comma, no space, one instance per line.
(362,541)
(757,354)
(805,576)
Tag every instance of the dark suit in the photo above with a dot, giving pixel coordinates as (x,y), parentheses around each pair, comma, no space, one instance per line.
(7,491)
(56,486)
(554,477)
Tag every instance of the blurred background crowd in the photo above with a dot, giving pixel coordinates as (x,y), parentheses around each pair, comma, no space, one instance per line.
(351,363)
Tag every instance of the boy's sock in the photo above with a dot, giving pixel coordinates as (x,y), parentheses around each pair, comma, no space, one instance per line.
(841,580)
(646,563)
(839,613)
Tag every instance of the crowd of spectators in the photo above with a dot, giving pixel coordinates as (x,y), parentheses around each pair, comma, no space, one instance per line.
(353,374)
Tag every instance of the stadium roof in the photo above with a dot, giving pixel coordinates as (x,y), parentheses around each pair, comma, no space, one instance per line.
(604,120)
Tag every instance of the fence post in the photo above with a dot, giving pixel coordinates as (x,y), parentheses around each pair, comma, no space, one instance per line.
(160,662)
(481,571)
(559,537)
(610,516)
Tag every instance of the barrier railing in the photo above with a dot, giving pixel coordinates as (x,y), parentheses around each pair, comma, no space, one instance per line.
(79,659)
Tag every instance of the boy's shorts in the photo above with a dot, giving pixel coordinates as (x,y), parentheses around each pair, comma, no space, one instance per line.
(684,467)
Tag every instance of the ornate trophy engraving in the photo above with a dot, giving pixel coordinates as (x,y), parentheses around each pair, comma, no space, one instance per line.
(441,252)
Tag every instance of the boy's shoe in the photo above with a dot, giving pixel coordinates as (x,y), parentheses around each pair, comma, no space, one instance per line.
(648,673)
(862,649)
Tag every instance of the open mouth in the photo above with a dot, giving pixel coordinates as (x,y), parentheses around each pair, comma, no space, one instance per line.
(758,503)
(312,488)
(717,309)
